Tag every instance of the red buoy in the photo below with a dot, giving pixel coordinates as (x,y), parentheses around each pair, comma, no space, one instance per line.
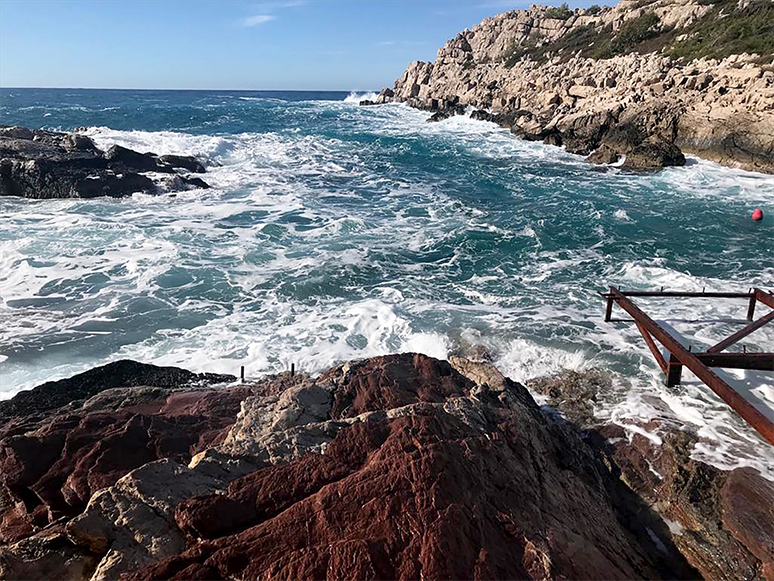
(757,215)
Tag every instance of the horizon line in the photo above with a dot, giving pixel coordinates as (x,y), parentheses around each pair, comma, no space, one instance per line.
(189,89)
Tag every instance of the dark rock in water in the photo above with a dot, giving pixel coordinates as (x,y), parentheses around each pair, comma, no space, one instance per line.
(366,102)
(447,112)
(574,393)
(195,182)
(387,92)
(604,155)
(134,160)
(47,164)
(653,153)
(186,162)
(481,115)
(124,373)
(553,139)
(113,185)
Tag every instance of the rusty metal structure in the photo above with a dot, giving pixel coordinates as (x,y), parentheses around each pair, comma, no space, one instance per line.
(700,363)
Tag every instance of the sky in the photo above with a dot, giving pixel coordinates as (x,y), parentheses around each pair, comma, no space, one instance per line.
(224,44)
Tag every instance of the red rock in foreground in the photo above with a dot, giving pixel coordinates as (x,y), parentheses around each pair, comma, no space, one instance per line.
(392,467)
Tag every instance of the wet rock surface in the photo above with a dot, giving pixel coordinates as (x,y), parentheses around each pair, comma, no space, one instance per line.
(701,504)
(47,164)
(400,466)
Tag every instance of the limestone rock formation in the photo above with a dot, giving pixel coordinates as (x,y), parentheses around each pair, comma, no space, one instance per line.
(585,78)
(47,164)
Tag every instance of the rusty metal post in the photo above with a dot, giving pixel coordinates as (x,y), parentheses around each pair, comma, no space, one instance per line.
(609,310)
(751,308)
(674,372)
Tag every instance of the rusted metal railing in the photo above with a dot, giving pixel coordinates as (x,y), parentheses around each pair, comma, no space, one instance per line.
(701,362)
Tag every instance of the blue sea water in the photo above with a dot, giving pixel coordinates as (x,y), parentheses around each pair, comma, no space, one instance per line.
(334,231)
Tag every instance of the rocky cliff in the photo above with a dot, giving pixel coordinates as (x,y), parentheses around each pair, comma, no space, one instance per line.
(643,79)
(400,466)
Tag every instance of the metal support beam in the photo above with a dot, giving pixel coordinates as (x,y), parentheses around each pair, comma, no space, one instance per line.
(741,333)
(674,372)
(753,416)
(764,297)
(653,347)
(697,294)
(751,308)
(609,310)
(759,361)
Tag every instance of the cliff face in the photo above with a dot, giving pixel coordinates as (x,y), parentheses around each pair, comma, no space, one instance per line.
(400,466)
(669,71)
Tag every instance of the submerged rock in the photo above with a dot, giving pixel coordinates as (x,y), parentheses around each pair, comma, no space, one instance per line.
(47,164)
(446,113)
(652,154)
(604,155)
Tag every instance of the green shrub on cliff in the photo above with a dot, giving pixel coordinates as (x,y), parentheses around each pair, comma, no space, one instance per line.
(728,30)
(632,33)
(562,12)
(723,31)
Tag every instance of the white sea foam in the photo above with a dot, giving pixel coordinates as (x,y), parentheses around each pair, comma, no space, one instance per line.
(355,97)
(312,250)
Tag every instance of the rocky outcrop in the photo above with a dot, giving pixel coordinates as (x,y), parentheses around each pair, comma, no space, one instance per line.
(400,466)
(702,505)
(586,78)
(47,164)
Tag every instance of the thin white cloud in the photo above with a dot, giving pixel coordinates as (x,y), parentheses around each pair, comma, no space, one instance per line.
(271,6)
(255,20)
(267,10)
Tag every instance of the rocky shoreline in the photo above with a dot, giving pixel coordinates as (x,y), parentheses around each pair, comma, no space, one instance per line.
(401,466)
(47,164)
(636,80)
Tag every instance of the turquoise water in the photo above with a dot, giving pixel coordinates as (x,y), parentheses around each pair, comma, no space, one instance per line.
(335,231)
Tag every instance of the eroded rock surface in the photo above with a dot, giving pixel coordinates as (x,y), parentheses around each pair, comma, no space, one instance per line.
(48,164)
(585,78)
(400,466)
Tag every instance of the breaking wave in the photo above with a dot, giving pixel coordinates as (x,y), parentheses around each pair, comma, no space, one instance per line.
(333,232)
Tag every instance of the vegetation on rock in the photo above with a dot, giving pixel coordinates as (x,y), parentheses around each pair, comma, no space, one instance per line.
(725,30)
(728,30)
(630,35)
(562,12)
